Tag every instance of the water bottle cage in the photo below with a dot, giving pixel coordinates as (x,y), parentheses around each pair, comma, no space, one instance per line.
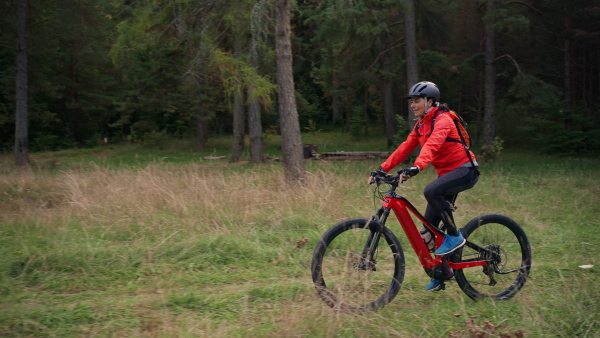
(428,239)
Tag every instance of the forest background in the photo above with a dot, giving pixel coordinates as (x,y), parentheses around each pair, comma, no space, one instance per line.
(145,71)
(126,241)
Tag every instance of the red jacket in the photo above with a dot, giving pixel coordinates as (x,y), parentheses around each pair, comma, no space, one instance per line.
(444,155)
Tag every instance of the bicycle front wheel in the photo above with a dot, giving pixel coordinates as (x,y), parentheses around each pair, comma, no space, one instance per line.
(348,278)
(500,240)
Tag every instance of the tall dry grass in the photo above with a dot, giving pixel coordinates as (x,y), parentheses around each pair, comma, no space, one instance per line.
(208,250)
(197,201)
(202,199)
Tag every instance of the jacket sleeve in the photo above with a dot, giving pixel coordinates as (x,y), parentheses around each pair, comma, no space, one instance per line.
(442,128)
(403,150)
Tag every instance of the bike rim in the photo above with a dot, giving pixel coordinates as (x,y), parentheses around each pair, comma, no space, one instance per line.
(510,252)
(351,282)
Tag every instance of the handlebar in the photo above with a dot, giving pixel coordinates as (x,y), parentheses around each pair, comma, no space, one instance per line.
(380,177)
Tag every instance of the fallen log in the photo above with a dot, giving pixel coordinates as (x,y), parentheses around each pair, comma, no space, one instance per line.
(351,155)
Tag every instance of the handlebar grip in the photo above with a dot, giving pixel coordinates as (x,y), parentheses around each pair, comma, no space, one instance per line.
(379,173)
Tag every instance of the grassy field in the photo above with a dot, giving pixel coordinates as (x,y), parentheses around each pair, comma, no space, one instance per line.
(127,241)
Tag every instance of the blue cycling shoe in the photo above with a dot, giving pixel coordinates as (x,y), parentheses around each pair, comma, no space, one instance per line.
(434,285)
(450,244)
(437,285)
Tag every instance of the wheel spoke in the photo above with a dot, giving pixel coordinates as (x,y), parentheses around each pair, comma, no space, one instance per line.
(502,242)
(350,281)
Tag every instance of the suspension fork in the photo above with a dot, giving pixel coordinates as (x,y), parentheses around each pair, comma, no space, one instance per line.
(376,224)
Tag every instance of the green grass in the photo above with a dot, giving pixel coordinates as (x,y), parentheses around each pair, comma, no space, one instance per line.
(128,241)
(186,151)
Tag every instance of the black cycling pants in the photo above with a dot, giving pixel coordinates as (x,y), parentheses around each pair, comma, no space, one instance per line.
(441,193)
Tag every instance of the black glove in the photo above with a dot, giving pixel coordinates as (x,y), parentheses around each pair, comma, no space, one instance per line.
(378,172)
(374,174)
(412,171)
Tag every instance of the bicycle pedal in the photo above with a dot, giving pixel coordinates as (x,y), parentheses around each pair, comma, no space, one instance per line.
(439,287)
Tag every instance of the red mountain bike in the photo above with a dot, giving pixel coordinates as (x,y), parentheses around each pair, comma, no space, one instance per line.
(353,269)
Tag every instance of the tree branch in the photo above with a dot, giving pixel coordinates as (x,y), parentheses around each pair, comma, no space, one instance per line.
(524,4)
(8,47)
(401,22)
(396,44)
(512,60)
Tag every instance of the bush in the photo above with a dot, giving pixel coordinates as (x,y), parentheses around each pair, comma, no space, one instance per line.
(490,153)
(546,123)
(402,129)
(156,140)
(357,123)
(50,142)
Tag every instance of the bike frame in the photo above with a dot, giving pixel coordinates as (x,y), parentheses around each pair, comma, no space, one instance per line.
(402,209)
(349,287)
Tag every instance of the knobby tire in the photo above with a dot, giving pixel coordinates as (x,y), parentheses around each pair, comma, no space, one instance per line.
(340,278)
(512,252)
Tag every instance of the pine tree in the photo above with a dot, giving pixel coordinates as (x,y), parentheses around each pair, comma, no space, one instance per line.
(21,125)
(291,141)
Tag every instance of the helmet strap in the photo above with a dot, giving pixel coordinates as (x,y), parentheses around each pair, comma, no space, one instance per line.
(427,110)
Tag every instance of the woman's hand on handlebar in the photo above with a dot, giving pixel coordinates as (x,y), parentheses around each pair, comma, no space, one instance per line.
(403,174)
(377,173)
(407,173)
(412,171)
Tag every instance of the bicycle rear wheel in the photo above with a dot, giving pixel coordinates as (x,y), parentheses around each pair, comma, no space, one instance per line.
(345,279)
(505,243)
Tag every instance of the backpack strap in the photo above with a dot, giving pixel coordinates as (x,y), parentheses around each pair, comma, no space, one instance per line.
(449,139)
(461,141)
(417,129)
(435,116)
(467,148)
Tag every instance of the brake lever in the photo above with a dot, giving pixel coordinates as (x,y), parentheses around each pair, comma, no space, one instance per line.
(403,178)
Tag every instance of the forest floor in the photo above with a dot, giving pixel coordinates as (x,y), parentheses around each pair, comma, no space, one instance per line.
(130,241)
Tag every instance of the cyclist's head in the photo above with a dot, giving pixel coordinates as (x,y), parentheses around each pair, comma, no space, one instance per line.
(425,89)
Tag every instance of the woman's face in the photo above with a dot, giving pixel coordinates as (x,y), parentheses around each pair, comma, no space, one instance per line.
(420,106)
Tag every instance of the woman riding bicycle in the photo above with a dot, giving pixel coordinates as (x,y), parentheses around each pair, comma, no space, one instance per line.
(458,170)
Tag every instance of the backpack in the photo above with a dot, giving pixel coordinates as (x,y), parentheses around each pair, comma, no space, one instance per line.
(461,125)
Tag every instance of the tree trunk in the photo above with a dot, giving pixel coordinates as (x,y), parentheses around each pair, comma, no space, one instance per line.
(254,122)
(412,68)
(201,125)
(74,110)
(255,131)
(21,130)
(291,141)
(489,123)
(567,63)
(568,80)
(237,146)
(480,105)
(387,87)
(335,103)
